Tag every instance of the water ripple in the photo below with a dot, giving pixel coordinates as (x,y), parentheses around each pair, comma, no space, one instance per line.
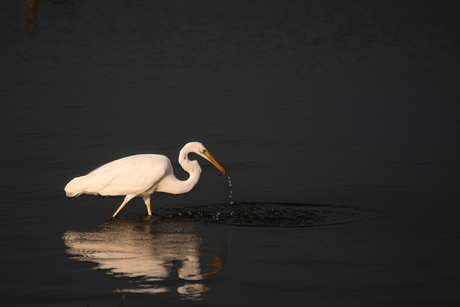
(261,214)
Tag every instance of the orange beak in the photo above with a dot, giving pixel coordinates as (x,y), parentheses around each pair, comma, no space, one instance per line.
(216,164)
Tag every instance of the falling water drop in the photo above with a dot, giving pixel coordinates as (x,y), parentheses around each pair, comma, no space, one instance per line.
(231,190)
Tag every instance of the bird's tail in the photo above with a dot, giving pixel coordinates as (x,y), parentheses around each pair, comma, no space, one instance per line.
(74,188)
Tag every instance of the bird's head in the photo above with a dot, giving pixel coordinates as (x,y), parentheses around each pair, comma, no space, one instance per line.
(200,150)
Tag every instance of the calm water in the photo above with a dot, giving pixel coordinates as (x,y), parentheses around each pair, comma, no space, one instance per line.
(337,122)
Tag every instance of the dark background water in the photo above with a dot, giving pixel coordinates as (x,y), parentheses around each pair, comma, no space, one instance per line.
(348,104)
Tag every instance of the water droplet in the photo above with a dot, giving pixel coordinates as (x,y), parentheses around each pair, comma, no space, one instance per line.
(231,190)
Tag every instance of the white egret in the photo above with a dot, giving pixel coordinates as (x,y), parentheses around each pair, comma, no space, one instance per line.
(142,175)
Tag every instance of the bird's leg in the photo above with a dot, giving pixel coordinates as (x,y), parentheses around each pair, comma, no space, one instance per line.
(147,203)
(119,209)
(127,199)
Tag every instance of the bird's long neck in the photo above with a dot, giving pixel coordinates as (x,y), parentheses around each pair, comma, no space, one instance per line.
(177,186)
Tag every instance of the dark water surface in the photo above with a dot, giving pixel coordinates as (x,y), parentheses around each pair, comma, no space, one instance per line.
(338,122)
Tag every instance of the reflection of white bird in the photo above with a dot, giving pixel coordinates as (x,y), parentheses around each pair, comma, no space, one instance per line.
(142,175)
(150,253)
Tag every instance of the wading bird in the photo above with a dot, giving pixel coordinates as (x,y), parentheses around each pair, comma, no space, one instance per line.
(142,175)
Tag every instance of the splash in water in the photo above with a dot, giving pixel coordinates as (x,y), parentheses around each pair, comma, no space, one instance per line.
(264,214)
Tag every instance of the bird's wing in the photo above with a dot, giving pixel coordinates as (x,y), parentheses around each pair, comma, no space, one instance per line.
(134,175)
(130,175)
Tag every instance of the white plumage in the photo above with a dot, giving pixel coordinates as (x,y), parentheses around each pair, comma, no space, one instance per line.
(141,175)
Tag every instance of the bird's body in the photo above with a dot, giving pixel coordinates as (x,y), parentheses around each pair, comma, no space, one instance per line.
(141,175)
